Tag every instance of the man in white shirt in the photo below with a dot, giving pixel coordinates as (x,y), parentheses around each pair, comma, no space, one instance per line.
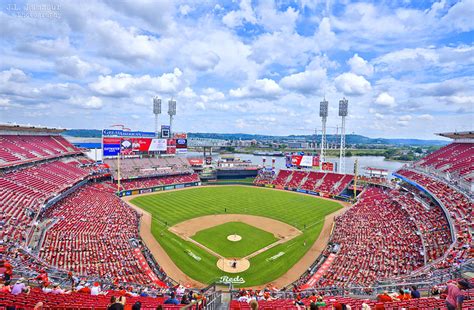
(95,290)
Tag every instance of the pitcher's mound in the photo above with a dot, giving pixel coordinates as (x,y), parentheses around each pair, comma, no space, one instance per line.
(234,238)
(227,264)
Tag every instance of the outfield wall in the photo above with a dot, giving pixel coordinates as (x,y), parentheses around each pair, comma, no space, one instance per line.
(160,188)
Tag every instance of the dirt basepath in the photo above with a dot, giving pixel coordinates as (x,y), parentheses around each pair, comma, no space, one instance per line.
(290,276)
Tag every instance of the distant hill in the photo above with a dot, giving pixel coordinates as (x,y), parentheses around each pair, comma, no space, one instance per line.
(350,138)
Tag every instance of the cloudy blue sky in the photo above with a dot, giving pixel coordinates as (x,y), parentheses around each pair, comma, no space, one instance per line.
(406,67)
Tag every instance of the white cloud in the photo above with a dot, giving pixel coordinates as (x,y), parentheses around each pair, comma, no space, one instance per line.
(76,67)
(404,120)
(352,85)
(211,94)
(385,100)
(379,116)
(205,61)
(113,40)
(426,117)
(305,82)
(275,20)
(47,47)
(237,18)
(325,35)
(460,16)
(185,9)
(461,100)
(122,84)
(92,102)
(263,88)
(360,66)
(13,75)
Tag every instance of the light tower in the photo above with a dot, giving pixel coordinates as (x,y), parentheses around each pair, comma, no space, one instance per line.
(171,112)
(343,109)
(157,111)
(323,113)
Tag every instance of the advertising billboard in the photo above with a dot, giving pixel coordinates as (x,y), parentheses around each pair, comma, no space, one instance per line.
(131,142)
(181,143)
(111,146)
(158,145)
(327,166)
(304,161)
(180,135)
(165,131)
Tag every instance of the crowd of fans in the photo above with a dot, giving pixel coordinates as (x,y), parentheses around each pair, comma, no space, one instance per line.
(91,235)
(460,208)
(42,294)
(148,167)
(324,182)
(159,181)
(454,294)
(377,240)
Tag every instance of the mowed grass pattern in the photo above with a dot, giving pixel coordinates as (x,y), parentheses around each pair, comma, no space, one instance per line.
(301,211)
(253,239)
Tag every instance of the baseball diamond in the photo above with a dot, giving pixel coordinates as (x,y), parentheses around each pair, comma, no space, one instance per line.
(210,214)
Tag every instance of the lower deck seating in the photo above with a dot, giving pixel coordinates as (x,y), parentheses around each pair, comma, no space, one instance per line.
(24,191)
(152,182)
(460,210)
(75,301)
(377,240)
(93,235)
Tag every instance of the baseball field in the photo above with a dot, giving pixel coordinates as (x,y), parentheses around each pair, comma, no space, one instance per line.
(265,231)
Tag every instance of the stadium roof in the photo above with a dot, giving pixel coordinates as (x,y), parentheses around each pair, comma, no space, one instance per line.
(458,135)
(13,128)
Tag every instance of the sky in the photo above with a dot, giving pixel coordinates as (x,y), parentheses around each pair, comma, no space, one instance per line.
(260,67)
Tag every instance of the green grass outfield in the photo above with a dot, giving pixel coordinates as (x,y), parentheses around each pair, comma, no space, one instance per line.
(253,239)
(301,211)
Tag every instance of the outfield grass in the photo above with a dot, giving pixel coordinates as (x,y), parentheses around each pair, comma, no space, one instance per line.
(301,211)
(253,239)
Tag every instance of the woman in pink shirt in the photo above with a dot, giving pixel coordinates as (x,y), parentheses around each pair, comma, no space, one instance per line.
(455,296)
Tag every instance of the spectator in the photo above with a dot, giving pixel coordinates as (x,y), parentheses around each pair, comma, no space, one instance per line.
(414,292)
(57,290)
(185,300)
(95,290)
(365,306)
(85,290)
(114,304)
(4,288)
(38,306)
(172,300)
(313,297)
(455,297)
(137,306)
(385,297)
(253,304)
(339,306)
(20,287)
(299,300)
(122,300)
(313,306)
(320,302)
